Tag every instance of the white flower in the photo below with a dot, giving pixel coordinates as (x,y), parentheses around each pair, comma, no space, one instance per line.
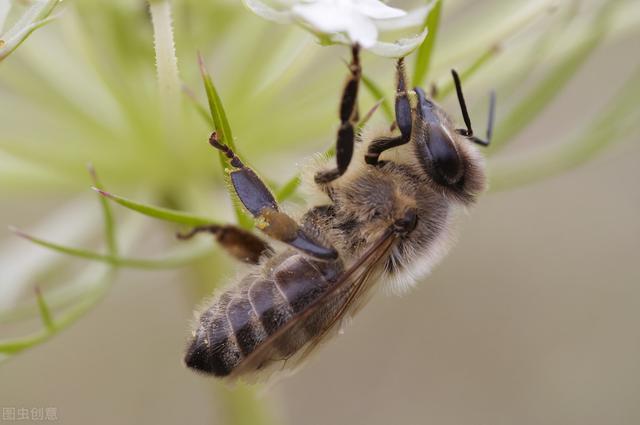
(348,21)
(356,18)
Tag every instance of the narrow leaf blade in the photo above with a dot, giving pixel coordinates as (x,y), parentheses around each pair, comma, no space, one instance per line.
(425,51)
(614,124)
(377,93)
(222,127)
(160,213)
(45,313)
(170,261)
(107,214)
(552,84)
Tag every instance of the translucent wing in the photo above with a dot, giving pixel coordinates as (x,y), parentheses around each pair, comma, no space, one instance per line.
(308,328)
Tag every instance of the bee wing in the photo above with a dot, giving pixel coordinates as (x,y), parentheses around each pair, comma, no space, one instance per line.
(322,316)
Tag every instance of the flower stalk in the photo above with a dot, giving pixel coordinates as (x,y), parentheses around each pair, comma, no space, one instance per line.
(36,16)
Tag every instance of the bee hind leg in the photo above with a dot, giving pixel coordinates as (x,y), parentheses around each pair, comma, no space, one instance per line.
(348,118)
(260,202)
(241,244)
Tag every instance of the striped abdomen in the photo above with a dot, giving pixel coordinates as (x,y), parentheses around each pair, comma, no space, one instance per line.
(244,316)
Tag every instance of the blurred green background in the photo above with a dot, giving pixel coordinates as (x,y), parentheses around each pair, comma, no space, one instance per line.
(532,318)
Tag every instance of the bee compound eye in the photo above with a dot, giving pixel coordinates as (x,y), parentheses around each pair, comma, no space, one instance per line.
(441,158)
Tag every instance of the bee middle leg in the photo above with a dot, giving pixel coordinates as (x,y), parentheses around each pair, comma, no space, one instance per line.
(260,202)
(403,120)
(348,118)
(238,242)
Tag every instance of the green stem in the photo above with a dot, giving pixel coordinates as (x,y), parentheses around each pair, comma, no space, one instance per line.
(15,346)
(241,404)
(35,17)
(378,95)
(166,61)
(116,261)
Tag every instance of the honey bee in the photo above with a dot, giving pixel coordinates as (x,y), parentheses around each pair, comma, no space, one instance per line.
(386,215)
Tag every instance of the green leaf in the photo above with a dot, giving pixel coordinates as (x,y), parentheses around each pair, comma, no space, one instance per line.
(425,51)
(369,114)
(204,114)
(107,214)
(552,84)
(45,314)
(116,261)
(70,316)
(165,214)
(377,93)
(615,124)
(222,127)
(218,115)
(288,189)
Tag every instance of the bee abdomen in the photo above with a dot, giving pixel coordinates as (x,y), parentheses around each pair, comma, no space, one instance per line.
(245,325)
(269,304)
(299,281)
(241,320)
(214,349)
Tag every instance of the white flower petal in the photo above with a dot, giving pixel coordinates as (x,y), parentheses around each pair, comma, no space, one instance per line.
(399,48)
(414,18)
(376,9)
(5,7)
(348,21)
(267,12)
(326,17)
(362,31)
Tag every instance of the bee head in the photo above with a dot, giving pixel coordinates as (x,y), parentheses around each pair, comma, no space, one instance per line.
(449,158)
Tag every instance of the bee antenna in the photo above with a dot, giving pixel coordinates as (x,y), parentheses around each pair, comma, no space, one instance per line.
(468,132)
(492,111)
(463,106)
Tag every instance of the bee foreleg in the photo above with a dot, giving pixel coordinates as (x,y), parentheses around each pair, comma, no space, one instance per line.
(403,120)
(348,117)
(243,245)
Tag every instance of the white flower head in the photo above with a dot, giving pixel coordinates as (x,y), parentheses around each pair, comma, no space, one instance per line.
(353,17)
(348,21)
